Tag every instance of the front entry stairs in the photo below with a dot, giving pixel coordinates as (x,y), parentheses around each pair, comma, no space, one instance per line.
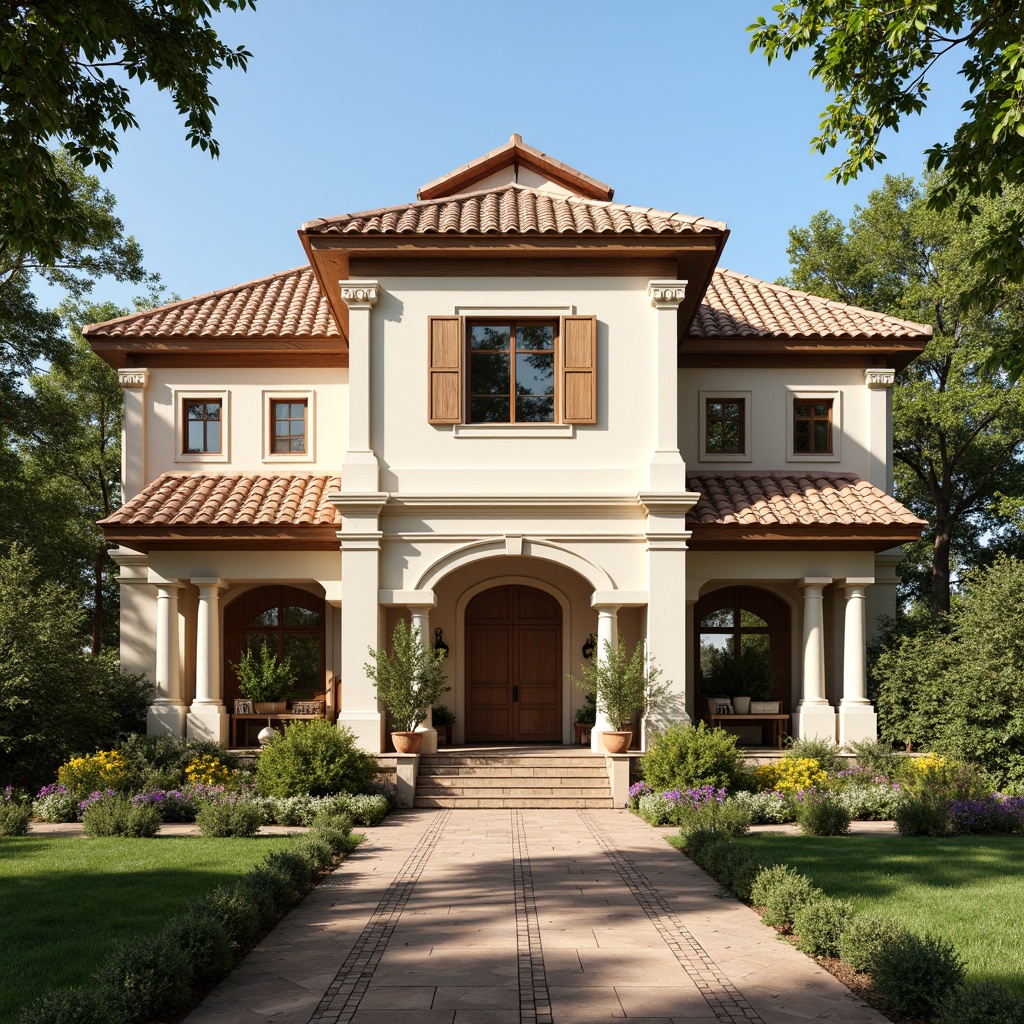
(549,778)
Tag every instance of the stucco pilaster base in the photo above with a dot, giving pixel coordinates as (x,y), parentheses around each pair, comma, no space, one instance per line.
(857,722)
(208,722)
(368,727)
(166,720)
(815,721)
(406,769)
(429,742)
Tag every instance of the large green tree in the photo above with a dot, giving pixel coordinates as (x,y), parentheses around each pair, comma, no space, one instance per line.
(65,71)
(874,57)
(958,423)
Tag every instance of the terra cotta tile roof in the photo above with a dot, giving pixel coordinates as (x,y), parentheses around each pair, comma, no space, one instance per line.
(232,499)
(285,305)
(738,306)
(794,499)
(516,210)
(291,305)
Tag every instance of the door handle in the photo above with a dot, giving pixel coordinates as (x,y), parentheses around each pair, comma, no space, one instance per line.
(515,694)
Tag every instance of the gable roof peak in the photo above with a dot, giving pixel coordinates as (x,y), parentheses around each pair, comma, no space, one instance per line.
(514,157)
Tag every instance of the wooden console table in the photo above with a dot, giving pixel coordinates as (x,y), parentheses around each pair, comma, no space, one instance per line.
(281,716)
(776,722)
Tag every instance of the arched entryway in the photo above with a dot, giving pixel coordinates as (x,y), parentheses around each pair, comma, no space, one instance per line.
(513,666)
(291,621)
(744,624)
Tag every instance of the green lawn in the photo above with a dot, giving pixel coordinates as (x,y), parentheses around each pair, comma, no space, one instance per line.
(64,899)
(968,889)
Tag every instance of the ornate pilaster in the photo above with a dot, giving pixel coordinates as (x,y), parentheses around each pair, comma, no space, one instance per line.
(666,472)
(133,431)
(359,471)
(879,397)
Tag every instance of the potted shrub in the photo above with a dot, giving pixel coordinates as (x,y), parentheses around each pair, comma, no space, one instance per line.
(443,719)
(586,716)
(266,680)
(409,680)
(622,684)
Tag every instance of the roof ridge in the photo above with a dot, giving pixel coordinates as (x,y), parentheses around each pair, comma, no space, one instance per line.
(192,299)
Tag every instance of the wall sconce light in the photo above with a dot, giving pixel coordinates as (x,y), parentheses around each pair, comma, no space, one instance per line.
(439,645)
(589,646)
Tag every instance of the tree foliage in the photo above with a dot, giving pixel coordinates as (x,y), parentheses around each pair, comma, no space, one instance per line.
(55,699)
(956,685)
(410,678)
(958,423)
(875,58)
(64,76)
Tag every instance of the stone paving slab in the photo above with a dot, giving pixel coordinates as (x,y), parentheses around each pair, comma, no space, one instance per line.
(524,917)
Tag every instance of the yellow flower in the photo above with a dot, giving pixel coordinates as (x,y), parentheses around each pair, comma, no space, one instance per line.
(208,770)
(791,774)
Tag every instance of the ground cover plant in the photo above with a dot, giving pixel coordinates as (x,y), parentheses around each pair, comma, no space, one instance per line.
(965,890)
(57,894)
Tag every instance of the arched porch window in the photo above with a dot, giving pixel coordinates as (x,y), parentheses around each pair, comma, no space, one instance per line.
(291,621)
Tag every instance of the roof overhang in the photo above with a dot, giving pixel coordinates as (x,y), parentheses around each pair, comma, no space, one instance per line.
(774,351)
(236,538)
(151,352)
(735,537)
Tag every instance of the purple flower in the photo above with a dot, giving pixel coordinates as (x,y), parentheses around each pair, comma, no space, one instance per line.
(639,789)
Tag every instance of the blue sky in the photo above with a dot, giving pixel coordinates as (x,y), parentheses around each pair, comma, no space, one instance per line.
(349,105)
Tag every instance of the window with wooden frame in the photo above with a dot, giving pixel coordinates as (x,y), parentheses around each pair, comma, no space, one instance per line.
(512,370)
(724,426)
(288,426)
(812,426)
(202,426)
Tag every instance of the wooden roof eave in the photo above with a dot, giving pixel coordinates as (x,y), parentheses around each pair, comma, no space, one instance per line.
(766,350)
(120,352)
(785,537)
(239,538)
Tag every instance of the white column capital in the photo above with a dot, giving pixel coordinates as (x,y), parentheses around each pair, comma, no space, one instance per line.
(162,583)
(359,294)
(209,583)
(879,380)
(811,582)
(134,378)
(852,582)
(666,294)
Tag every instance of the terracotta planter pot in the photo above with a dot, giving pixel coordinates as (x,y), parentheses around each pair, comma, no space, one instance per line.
(276,707)
(407,742)
(616,742)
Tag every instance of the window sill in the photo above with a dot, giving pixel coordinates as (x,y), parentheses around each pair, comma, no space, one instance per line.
(505,430)
(823,457)
(724,457)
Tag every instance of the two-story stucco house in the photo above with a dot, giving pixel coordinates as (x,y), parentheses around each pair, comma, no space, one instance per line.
(522,414)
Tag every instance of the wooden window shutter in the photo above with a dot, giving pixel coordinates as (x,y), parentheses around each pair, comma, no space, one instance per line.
(579,369)
(444,374)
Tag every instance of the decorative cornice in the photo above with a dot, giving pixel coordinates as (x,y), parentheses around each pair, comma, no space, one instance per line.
(133,378)
(359,294)
(879,380)
(666,294)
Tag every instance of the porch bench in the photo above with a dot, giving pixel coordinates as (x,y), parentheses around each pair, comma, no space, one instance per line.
(281,716)
(776,722)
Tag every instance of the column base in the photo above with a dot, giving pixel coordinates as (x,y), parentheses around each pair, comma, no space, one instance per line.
(815,721)
(208,722)
(166,720)
(857,722)
(368,727)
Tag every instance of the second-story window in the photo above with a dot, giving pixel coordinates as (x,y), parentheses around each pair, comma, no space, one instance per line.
(724,432)
(288,426)
(812,427)
(202,423)
(512,371)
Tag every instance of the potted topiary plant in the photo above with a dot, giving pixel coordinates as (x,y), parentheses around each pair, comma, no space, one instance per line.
(622,684)
(443,719)
(409,680)
(266,680)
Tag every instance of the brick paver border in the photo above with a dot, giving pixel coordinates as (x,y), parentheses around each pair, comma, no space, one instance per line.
(534,999)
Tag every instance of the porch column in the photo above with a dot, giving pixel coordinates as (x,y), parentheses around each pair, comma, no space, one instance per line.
(359,538)
(607,636)
(667,471)
(814,715)
(208,718)
(857,718)
(421,620)
(167,713)
(359,468)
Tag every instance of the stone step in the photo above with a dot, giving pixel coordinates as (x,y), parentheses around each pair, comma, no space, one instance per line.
(533,763)
(499,772)
(521,803)
(513,789)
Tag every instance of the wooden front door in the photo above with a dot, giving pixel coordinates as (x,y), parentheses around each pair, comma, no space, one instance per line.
(513,667)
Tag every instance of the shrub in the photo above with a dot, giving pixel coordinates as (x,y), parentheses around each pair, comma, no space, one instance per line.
(767,808)
(224,818)
(15,815)
(922,814)
(980,1003)
(877,757)
(260,891)
(820,813)
(54,803)
(71,1006)
(208,770)
(700,842)
(233,909)
(819,925)
(316,851)
(106,769)
(864,938)
(790,774)
(205,944)
(995,814)
(112,814)
(315,758)
(181,804)
(871,801)
(727,817)
(336,830)
(147,979)
(781,891)
(736,867)
(687,757)
(914,973)
(364,808)
(819,749)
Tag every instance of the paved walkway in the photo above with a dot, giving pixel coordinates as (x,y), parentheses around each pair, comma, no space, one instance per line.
(504,917)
